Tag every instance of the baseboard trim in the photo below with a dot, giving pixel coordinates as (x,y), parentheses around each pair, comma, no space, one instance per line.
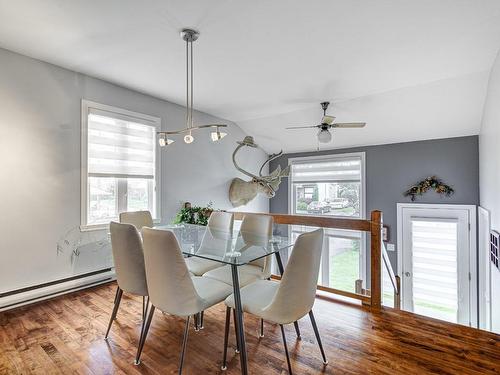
(42,292)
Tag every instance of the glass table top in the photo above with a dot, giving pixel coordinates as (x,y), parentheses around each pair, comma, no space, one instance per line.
(236,248)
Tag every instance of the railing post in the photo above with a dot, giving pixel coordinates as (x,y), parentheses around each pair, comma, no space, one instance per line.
(397,294)
(376,259)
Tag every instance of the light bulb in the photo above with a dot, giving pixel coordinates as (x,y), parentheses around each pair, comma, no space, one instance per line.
(217,135)
(164,141)
(188,138)
(324,136)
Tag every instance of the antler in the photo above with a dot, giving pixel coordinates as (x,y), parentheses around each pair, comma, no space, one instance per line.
(271,158)
(238,167)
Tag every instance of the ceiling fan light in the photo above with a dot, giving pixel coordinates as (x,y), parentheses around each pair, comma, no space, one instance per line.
(324,136)
(217,135)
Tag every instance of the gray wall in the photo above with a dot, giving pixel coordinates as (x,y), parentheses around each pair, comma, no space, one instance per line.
(391,169)
(40,164)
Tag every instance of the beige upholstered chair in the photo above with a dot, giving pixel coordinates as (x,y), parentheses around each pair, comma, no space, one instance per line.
(218,222)
(137,218)
(253,226)
(128,258)
(289,300)
(171,288)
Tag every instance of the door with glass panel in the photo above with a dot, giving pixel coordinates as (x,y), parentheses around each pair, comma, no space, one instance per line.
(435,261)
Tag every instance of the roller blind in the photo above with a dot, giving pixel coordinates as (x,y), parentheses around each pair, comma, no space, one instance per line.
(435,271)
(339,169)
(120,146)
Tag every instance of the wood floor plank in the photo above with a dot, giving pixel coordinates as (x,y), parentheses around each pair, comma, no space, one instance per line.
(65,336)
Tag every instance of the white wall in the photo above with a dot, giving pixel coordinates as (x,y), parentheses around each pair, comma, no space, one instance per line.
(489,173)
(442,109)
(40,163)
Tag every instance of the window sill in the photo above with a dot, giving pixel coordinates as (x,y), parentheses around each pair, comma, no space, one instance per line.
(93,227)
(97,227)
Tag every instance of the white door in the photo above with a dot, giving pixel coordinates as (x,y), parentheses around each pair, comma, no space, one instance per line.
(435,262)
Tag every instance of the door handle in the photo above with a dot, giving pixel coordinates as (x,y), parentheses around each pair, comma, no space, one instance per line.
(407,274)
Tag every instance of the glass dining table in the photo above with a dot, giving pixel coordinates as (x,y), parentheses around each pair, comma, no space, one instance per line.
(234,249)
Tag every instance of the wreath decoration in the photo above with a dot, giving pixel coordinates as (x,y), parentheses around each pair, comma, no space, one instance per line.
(429,183)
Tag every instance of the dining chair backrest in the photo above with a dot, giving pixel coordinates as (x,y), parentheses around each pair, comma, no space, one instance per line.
(171,288)
(221,221)
(260,225)
(297,289)
(138,218)
(128,258)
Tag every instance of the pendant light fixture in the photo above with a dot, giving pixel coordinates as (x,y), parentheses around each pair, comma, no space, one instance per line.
(189,36)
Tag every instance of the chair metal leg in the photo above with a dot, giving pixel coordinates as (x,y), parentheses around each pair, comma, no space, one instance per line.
(261,334)
(184,344)
(286,349)
(236,332)
(118,298)
(201,319)
(144,334)
(144,308)
(318,338)
(116,294)
(297,330)
(196,318)
(226,338)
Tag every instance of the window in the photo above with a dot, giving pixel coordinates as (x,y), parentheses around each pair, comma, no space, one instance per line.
(332,185)
(119,163)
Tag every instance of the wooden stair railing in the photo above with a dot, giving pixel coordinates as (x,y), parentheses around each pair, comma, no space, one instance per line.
(373,297)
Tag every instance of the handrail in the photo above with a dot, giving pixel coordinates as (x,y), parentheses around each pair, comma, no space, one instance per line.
(395,280)
(317,221)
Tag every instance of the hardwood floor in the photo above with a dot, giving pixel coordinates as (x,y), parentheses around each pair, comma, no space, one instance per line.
(65,336)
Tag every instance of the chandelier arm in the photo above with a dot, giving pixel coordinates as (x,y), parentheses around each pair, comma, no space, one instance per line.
(187,130)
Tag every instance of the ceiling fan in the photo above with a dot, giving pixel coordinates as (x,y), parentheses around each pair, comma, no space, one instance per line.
(327,122)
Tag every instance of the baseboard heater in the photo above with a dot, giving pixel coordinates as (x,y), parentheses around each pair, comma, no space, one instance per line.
(35,293)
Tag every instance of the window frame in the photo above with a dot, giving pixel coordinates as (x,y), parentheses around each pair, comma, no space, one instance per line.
(330,157)
(86,105)
(362,203)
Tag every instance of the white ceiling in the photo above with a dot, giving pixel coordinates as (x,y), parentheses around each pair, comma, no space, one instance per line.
(258,60)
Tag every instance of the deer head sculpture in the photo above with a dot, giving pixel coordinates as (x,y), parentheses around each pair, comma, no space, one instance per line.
(241,192)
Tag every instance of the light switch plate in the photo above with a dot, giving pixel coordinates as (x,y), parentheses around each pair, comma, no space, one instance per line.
(390,247)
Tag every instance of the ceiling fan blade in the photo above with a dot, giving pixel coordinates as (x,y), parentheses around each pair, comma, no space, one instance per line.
(349,125)
(302,127)
(328,120)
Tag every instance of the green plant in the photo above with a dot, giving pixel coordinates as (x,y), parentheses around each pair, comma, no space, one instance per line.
(193,214)
(301,206)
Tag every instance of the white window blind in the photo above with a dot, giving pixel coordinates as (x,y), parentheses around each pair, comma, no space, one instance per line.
(120,146)
(342,169)
(120,164)
(435,272)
